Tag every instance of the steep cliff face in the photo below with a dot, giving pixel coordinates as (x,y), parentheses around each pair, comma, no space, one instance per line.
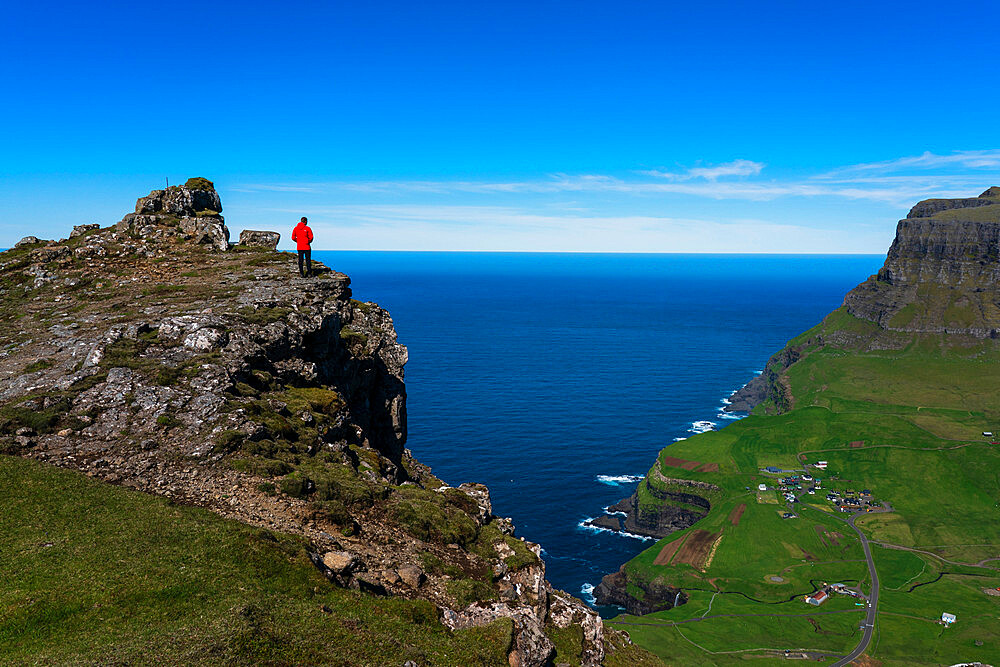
(941,277)
(153,354)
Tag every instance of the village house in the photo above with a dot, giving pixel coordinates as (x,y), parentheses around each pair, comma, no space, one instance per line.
(817,598)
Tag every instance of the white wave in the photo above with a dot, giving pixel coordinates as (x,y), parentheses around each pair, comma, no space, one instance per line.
(607,510)
(587,592)
(618,480)
(702,426)
(599,529)
(760,372)
(729,415)
(679,439)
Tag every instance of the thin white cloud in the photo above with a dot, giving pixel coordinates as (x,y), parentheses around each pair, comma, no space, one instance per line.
(895,194)
(734,168)
(473,228)
(897,183)
(981,159)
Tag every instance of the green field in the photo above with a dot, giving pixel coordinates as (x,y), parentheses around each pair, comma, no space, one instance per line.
(100,574)
(919,413)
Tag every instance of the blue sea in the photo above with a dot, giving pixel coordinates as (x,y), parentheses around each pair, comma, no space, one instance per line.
(556,378)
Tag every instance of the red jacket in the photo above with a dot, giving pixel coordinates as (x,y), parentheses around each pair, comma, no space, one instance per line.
(302,236)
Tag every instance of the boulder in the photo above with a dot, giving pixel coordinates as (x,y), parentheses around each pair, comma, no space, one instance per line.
(83,229)
(179,201)
(208,230)
(340,562)
(412,576)
(27,240)
(606,521)
(260,239)
(206,339)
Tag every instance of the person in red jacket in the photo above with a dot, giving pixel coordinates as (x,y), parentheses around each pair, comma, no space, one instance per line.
(303,237)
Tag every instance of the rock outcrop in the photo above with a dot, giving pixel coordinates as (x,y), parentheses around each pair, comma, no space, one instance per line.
(657,595)
(258,239)
(193,209)
(144,356)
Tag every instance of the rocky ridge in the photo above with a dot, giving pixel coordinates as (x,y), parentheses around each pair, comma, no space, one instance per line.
(156,355)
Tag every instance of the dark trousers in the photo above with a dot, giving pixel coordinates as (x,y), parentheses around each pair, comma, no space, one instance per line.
(307,255)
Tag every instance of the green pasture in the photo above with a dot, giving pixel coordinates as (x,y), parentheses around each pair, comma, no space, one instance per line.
(94,573)
(736,634)
(920,412)
(908,632)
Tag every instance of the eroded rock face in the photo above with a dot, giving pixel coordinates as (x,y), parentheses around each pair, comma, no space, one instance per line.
(940,276)
(941,272)
(656,595)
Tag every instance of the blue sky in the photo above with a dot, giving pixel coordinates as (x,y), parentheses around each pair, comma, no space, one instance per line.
(583,126)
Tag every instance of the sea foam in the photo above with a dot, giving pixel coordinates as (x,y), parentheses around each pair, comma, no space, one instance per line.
(600,529)
(702,426)
(618,480)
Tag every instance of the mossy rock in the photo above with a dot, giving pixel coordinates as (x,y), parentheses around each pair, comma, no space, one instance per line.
(429,516)
(199,183)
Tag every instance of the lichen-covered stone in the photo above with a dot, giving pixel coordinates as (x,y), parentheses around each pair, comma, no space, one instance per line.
(259,239)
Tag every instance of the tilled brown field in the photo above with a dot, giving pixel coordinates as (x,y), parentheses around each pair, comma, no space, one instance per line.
(696,548)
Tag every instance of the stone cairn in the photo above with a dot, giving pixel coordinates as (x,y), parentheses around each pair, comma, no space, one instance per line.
(192,209)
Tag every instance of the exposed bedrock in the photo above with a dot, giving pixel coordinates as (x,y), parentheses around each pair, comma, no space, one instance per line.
(657,595)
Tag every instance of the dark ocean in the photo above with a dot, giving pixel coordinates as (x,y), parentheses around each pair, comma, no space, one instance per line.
(556,378)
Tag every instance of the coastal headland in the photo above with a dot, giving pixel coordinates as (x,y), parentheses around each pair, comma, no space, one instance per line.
(203,459)
(857,503)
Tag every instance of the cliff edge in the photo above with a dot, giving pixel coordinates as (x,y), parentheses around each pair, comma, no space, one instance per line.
(155,354)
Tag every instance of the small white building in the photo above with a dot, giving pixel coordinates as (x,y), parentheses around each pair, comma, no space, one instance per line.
(987,434)
(762,487)
(807,478)
(821,465)
(947,618)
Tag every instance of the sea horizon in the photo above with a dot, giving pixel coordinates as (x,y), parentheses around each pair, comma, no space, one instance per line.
(556,378)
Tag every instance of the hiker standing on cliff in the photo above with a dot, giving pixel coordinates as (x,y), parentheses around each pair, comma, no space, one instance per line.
(303,237)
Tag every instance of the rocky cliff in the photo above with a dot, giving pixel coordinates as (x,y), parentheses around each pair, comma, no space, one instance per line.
(940,277)
(156,355)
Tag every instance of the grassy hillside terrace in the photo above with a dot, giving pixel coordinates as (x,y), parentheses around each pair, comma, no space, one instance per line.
(906,424)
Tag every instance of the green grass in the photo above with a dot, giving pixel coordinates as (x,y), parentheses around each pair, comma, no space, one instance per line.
(353,337)
(39,365)
(197,589)
(199,183)
(729,640)
(920,411)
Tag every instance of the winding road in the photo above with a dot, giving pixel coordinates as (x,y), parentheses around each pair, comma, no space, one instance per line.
(869,623)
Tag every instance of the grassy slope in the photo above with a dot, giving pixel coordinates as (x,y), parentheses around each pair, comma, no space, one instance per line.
(96,573)
(920,412)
